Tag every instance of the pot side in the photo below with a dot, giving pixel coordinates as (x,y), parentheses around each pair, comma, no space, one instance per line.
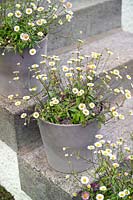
(75,137)
(8,64)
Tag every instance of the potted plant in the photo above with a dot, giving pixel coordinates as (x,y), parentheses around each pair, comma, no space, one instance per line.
(24,26)
(112,172)
(78,102)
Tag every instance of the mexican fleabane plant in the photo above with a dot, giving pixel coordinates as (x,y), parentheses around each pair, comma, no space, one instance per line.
(23,24)
(112,174)
(75,93)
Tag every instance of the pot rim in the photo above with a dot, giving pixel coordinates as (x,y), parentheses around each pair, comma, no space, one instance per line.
(10,47)
(65,125)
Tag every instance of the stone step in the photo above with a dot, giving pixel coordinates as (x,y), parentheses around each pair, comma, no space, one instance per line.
(41,182)
(91,17)
(12,130)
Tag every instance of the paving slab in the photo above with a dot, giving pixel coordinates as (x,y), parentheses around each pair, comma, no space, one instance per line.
(118,41)
(91,17)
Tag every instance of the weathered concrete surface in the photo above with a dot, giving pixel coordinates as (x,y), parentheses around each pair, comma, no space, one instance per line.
(12,130)
(91,17)
(118,41)
(39,187)
(127,15)
(9,173)
(35,170)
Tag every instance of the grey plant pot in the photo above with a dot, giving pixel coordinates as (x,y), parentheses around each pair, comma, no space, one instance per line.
(8,64)
(75,137)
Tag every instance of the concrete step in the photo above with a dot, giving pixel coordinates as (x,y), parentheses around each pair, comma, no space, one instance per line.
(91,17)
(41,182)
(12,130)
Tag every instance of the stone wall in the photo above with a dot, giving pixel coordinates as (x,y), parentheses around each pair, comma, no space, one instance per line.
(127,15)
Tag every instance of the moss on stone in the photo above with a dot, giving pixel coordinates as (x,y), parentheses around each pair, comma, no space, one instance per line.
(4,195)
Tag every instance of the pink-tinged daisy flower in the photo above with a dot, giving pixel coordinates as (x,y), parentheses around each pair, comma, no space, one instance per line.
(85,195)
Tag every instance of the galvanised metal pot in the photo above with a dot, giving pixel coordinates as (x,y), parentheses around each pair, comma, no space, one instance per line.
(8,65)
(75,138)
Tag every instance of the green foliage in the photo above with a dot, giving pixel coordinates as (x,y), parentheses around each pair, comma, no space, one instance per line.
(4,195)
(75,93)
(32,18)
(112,171)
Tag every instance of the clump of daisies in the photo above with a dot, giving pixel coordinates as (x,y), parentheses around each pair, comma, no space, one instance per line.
(112,172)
(75,92)
(25,23)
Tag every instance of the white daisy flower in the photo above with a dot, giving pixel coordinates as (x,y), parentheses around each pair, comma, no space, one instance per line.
(16,28)
(128,77)
(82,106)
(68,17)
(84,180)
(26,97)
(121,194)
(18,13)
(115,165)
(56,101)
(103,188)
(65,68)
(10,96)
(24,36)
(80,93)
(68,5)
(40,8)
(17,103)
(91,105)
(112,157)
(98,144)
(23,115)
(90,84)
(127,192)
(40,34)
(35,115)
(10,14)
(34,66)
(99,197)
(33,89)
(52,63)
(128,95)
(33,5)
(68,74)
(75,90)
(32,52)
(18,5)
(40,22)
(99,136)
(86,112)
(28,11)
(91,147)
